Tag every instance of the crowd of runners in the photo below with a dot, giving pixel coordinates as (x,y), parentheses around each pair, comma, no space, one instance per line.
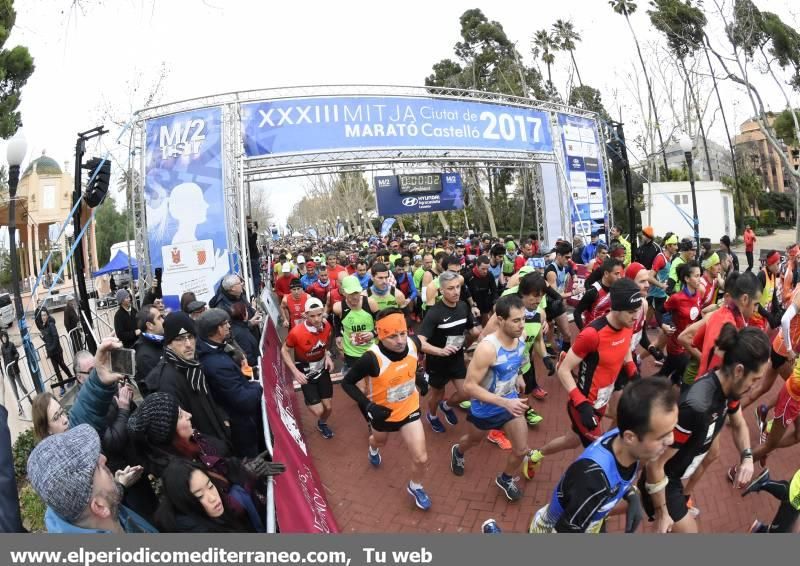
(433,330)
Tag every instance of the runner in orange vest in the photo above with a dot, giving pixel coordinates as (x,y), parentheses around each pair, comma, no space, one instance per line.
(391,402)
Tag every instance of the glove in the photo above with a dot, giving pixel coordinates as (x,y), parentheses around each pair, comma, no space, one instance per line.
(422,385)
(549,364)
(634,515)
(657,354)
(377,413)
(262,468)
(587,414)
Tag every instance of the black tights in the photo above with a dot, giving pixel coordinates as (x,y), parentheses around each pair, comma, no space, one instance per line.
(787,514)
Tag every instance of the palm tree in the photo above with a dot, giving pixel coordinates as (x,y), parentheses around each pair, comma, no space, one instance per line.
(626,8)
(546,45)
(566,37)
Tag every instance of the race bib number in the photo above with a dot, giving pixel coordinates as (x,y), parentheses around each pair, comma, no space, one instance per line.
(315,369)
(503,388)
(603,396)
(455,341)
(400,392)
(360,338)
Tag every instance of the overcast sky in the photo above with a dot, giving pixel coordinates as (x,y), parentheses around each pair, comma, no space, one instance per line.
(89,57)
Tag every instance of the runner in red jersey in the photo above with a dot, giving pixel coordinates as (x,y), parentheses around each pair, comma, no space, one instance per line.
(602,350)
(683,308)
(591,305)
(293,305)
(709,283)
(321,288)
(312,362)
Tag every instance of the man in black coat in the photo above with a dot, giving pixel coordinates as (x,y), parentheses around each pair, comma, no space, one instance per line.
(648,250)
(125,320)
(179,373)
(240,397)
(150,344)
(482,287)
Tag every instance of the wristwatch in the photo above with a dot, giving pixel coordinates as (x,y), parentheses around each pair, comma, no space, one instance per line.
(747,453)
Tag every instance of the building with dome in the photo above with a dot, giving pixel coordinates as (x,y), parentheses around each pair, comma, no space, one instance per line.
(44,199)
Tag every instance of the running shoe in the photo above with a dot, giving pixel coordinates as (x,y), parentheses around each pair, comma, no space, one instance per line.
(693,511)
(531,463)
(490,527)
(324,430)
(758,482)
(539,393)
(758,527)
(374,459)
(436,424)
(732,471)
(497,437)
(456,461)
(509,487)
(465,405)
(449,414)
(532,417)
(421,498)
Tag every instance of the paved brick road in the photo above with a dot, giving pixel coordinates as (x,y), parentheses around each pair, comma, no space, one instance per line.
(365,499)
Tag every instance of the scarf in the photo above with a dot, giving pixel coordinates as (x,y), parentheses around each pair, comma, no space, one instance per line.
(153,337)
(192,371)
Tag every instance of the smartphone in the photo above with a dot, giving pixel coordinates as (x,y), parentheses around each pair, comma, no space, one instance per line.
(123,360)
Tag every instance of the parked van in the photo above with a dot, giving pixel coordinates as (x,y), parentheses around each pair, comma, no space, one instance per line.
(6,310)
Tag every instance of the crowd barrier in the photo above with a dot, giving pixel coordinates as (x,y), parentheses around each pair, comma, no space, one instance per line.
(299,496)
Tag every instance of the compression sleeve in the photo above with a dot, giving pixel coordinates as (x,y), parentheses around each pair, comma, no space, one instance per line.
(584,304)
(366,366)
(645,340)
(582,492)
(786,322)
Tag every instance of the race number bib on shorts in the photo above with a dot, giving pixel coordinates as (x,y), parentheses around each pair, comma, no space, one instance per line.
(315,369)
(603,396)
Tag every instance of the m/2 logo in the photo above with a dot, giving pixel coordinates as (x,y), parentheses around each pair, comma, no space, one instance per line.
(183,138)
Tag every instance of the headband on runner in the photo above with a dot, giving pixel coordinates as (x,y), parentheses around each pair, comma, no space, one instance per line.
(390,325)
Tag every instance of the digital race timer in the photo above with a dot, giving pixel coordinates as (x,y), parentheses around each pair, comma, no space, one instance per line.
(420,183)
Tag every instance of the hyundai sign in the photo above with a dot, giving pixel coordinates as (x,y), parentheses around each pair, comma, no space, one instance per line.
(392,202)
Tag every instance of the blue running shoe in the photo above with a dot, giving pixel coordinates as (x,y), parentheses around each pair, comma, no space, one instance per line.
(436,424)
(374,459)
(420,498)
(324,430)
(490,527)
(509,488)
(449,414)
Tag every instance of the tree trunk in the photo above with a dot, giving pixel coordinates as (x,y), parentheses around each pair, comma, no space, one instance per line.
(486,204)
(443,220)
(575,66)
(649,93)
(699,119)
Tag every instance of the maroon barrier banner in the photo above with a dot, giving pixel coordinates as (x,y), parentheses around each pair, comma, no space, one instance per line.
(300,501)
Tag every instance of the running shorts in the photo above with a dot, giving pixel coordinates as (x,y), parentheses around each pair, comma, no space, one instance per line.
(318,389)
(386,426)
(495,422)
(442,370)
(786,408)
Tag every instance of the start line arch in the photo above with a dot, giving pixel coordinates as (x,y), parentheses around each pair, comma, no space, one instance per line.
(199,157)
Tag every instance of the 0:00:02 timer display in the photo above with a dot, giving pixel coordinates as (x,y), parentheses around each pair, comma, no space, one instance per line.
(420,183)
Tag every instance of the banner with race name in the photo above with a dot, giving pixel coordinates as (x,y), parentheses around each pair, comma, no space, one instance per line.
(584,172)
(321,123)
(390,200)
(300,502)
(184,203)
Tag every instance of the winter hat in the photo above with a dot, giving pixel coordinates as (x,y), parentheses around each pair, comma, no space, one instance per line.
(209,321)
(156,418)
(633,270)
(649,232)
(122,294)
(177,323)
(625,295)
(61,470)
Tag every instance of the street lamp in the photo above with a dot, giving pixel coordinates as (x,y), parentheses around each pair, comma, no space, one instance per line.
(69,232)
(15,153)
(687,145)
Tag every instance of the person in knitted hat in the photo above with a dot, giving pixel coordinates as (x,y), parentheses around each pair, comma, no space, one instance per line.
(603,350)
(82,495)
(162,431)
(125,320)
(648,249)
(238,396)
(179,373)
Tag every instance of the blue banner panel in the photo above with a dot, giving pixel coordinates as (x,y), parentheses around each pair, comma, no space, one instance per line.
(391,202)
(587,184)
(184,202)
(330,123)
